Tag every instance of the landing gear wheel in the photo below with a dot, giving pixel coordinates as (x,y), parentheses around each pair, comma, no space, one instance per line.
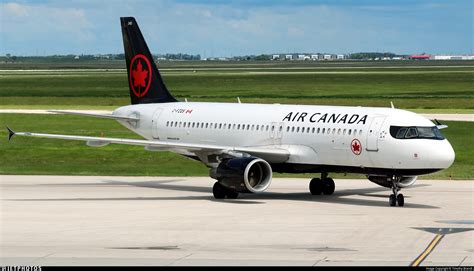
(219,191)
(400,200)
(222,192)
(315,186)
(231,194)
(328,186)
(392,200)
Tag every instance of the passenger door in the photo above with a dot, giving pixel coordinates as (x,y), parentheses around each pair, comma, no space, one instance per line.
(374,133)
(154,123)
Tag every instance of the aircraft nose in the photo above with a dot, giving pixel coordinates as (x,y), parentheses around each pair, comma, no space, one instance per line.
(443,155)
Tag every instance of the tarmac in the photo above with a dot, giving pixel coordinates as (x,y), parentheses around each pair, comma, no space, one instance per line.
(101,220)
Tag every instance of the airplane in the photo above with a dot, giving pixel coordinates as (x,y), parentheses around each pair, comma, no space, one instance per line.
(243,144)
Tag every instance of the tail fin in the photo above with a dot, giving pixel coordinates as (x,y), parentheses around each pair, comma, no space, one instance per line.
(145,82)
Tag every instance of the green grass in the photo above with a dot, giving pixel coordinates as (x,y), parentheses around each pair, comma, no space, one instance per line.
(38,156)
(420,88)
(60,157)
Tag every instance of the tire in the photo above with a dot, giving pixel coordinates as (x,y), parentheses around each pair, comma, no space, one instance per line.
(328,186)
(231,194)
(400,200)
(316,186)
(219,191)
(392,200)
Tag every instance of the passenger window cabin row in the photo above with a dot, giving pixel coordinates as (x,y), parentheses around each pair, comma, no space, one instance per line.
(263,128)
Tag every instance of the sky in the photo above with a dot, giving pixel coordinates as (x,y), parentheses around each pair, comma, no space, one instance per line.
(216,28)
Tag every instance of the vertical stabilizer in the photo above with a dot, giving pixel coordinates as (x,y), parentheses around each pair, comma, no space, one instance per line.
(144,79)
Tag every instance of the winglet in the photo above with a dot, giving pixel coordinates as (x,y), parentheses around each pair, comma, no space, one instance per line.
(10,133)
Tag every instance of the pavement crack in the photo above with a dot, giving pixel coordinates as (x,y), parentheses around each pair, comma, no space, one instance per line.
(182,258)
(462,261)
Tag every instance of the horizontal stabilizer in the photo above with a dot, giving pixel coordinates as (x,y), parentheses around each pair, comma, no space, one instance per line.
(11,133)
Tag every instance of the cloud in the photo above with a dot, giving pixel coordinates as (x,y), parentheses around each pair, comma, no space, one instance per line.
(32,24)
(223,28)
(15,10)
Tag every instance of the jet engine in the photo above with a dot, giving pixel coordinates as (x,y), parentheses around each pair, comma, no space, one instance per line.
(243,174)
(387,181)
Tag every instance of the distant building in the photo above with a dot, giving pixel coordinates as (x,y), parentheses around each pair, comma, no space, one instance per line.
(442,57)
(327,57)
(289,57)
(453,57)
(314,57)
(76,57)
(420,57)
(341,56)
(304,57)
(276,57)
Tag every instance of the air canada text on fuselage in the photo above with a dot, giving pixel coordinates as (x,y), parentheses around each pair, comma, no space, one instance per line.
(325,118)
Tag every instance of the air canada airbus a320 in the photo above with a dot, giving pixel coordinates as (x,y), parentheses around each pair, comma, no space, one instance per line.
(243,144)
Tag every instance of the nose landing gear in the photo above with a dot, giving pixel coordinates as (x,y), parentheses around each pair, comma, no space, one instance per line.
(396,198)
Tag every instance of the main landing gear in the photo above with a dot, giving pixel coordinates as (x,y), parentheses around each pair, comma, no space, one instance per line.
(396,198)
(324,185)
(222,192)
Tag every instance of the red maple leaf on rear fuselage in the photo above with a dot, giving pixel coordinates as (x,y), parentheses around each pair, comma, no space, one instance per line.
(139,75)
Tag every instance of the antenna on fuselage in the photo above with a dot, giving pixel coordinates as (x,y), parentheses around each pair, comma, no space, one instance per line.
(185,100)
(238,100)
(439,125)
(391,104)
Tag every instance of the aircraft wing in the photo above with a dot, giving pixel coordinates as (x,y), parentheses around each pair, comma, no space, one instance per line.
(273,154)
(104,116)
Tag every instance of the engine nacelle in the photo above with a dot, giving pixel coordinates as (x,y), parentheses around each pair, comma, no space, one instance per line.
(245,174)
(387,181)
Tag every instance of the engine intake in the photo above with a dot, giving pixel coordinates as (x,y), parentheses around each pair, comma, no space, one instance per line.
(245,175)
(387,182)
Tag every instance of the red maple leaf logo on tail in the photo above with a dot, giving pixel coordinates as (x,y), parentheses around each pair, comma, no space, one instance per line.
(139,75)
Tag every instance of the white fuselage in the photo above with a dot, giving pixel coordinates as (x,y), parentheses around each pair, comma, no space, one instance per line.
(333,136)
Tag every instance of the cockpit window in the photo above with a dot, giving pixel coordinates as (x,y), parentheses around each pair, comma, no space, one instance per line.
(426,132)
(401,132)
(411,133)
